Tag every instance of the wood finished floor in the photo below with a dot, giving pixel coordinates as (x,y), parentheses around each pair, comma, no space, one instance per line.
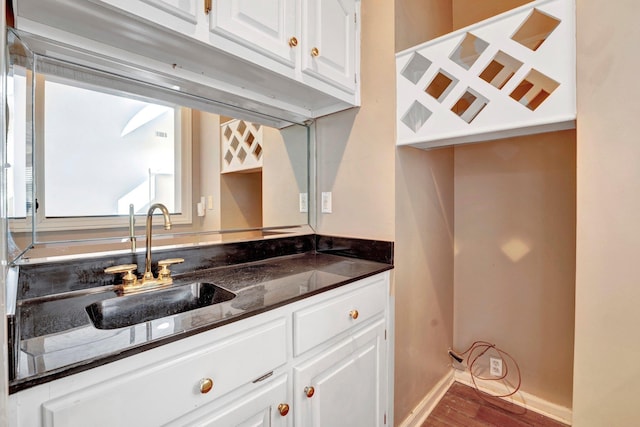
(462,406)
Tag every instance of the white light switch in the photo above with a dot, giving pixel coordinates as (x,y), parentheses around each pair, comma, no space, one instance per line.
(326,202)
(304,202)
(200,207)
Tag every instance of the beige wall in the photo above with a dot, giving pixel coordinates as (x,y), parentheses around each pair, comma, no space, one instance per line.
(467,12)
(284,175)
(424,238)
(206,167)
(420,21)
(515,245)
(607,349)
(423,273)
(356,147)
(515,255)
(241,200)
(538,190)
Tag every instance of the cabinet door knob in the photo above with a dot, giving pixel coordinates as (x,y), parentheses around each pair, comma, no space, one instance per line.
(293,42)
(283,408)
(207,6)
(354,314)
(206,384)
(315,52)
(309,391)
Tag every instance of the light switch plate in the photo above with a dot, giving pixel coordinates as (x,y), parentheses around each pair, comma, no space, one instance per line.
(304,202)
(326,202)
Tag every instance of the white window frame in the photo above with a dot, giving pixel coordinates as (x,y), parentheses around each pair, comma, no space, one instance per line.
(183,128)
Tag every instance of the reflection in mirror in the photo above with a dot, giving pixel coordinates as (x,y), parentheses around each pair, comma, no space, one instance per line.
(90,151)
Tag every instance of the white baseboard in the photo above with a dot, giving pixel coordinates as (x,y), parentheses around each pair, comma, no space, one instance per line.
(521,398)
(420,413)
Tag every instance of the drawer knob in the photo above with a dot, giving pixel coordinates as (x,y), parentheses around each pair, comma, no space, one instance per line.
(283,408)
(309,391)
(206,384)
(293,42)
(354,314)
(315,52)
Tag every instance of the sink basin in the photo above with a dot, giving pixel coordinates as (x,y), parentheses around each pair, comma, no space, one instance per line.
(129,310)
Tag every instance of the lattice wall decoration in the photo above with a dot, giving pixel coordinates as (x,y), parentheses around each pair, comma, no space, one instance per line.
(241,146)
(512,74)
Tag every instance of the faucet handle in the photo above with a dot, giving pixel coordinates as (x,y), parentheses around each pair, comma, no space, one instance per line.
(164,272)
(128,278)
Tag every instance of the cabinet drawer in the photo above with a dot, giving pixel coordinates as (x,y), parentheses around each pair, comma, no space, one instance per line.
(256,408)
(323,321)
(170,388)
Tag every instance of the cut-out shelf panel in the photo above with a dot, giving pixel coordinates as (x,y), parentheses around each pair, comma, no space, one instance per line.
(510,75)
(241,148)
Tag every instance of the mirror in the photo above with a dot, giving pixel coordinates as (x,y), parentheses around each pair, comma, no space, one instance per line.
(91,149)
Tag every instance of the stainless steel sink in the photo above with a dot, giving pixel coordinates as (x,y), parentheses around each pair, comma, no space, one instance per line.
(129,310)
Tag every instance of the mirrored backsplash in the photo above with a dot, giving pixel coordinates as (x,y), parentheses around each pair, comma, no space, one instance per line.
(90,150)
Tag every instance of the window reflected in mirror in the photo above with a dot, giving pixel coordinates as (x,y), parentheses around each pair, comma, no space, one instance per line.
(16,144)
(125,150)
(84,145)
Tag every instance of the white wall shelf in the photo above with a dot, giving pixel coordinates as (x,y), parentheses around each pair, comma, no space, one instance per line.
(241,148)
(510,75)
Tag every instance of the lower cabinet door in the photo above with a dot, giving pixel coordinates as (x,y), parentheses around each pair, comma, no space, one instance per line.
(344,385)
(266,406)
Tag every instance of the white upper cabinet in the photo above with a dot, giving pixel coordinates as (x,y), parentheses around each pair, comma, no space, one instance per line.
(329,41)
(181,15)
(292,59)
(181,9)
(266,26)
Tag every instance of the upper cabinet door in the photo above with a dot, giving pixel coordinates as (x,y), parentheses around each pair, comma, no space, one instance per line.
(181,9)
(266,26)
(178,15)
(329,41)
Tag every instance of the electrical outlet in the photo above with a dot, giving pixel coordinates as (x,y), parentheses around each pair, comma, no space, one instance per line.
(495,367)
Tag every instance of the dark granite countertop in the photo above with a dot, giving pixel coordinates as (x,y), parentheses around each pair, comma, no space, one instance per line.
(59,339)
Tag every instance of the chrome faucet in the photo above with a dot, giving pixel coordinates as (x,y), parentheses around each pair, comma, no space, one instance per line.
(148,275)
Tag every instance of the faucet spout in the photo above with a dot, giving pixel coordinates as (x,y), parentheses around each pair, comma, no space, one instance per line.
(148,275)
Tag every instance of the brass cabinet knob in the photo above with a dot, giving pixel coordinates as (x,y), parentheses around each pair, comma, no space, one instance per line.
(283,408)
(354,314)
(293,42)
(309,391)
(207,6)
(315,52)
(206,384)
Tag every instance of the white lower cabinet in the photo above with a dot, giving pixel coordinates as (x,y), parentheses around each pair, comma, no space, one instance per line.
(171,387)
(344,385)
(319,362)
